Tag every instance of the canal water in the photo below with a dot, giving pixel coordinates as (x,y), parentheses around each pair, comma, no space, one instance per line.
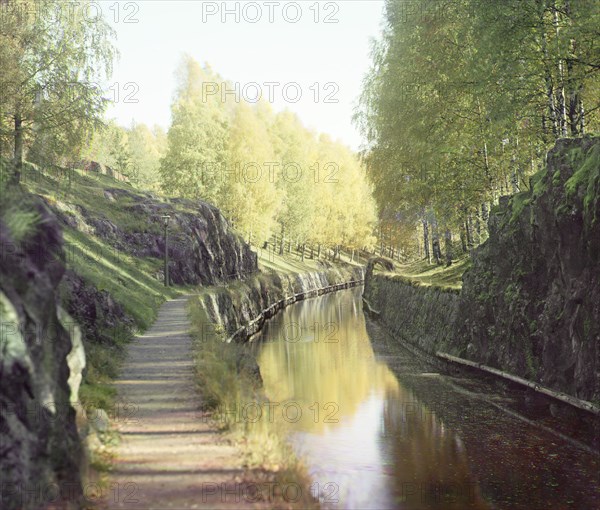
(379,428)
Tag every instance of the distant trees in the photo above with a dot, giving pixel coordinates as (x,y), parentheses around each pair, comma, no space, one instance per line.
(266,171)
(50,62)
(135,152)
(197,138)
(464,98)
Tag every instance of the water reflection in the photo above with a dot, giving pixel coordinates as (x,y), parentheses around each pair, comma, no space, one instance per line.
(368,442)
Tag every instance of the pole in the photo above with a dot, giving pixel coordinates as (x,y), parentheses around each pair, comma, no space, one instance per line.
(166,254)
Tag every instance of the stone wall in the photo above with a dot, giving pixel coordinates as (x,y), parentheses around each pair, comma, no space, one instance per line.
(530,303)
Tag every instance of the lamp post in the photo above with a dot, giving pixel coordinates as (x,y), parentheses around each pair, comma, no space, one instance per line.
(166,221)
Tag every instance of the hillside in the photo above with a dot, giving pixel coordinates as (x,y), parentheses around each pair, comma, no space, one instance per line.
(114,258)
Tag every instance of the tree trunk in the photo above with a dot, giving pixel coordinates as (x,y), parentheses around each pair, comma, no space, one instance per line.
(562,106)
(463,238)
(448,246)
(485,213)
(574,88)
(485,217)
(282,239)
(426,240)
(435,242)
(469,235)
(549,86)
(18,149)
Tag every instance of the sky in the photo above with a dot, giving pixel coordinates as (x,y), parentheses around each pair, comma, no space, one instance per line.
(307,56)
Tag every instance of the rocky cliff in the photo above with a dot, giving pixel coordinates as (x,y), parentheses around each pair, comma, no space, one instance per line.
(93,252)
(421,315)
(115,247)
(530,305)
(202,248)
(40,369)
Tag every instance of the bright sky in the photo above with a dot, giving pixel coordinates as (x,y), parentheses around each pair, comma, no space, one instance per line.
(322,60)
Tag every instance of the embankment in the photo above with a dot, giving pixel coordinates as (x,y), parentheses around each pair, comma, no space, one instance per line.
(421,315)
(239,310)
(90,249)
(530,303)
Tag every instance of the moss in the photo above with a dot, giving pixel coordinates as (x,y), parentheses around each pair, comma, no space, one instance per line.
(556,178)
(97,394)
(587,326)
(575,155)
(533,326)
(563,210)
(586,178)
(539,184)
(511,293)
(518,202)
(532,363)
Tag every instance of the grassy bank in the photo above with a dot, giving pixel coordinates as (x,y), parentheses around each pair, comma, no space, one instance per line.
(227,388)
(229,385)
(128,280)
(433,275)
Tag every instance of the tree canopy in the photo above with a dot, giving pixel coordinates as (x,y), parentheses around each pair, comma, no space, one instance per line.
(52,60)
(464,97)
(265,170)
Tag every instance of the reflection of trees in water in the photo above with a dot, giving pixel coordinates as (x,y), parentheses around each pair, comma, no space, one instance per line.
(327,358)
(429,461)
(341,368)
(423,452)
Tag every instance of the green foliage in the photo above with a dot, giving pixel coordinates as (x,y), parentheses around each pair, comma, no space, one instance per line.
(518,203)
(586,177)
(135,152)
(20,222)
(422,273)
(197,138)
(463,100)
(49,67)
(266,171)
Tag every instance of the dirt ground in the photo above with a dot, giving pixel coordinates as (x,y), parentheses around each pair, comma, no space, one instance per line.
(170,455)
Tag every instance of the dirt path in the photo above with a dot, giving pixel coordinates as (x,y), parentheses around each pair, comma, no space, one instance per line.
(169,457)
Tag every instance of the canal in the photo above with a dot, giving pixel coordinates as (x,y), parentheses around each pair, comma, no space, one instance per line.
(379,427)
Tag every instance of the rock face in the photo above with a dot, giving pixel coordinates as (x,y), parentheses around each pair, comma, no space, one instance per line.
(239,312)
(40,452)
(202,248)
(531,302)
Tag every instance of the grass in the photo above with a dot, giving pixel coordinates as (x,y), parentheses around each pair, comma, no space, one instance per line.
(130,281)
(433,275)
(226,390)
(292,263)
